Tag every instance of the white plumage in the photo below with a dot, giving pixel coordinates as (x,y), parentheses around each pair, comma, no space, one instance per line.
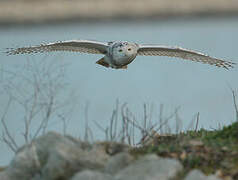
(119,54)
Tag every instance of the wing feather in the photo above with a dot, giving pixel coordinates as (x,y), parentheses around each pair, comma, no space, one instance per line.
(83,46)
(154,50)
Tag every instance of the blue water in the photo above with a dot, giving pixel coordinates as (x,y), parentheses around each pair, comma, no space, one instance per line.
(154,80)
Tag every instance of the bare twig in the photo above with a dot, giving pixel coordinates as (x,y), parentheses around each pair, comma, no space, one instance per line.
(235,104)
(6,135)
(88,132)
(130,125)
(35,89)
(197,121)
(178,123)
(161,117)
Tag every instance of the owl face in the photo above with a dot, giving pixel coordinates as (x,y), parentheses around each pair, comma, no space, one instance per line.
(123,52)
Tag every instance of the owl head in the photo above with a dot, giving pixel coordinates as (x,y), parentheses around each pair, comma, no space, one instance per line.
(124,50)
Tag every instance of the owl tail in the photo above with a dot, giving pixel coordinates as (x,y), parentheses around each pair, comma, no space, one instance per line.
(102,62)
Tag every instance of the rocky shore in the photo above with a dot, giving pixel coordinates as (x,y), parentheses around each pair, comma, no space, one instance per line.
(192,155)
(31,11)
(56,157)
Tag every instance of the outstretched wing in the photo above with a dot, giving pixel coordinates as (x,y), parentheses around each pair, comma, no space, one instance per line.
(154,50)
(83,46)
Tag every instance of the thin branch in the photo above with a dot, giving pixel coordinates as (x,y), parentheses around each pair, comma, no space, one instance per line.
(161,117)
(6,135)
(235,104)
(197,121)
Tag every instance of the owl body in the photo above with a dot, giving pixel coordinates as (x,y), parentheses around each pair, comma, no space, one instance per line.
(120,54)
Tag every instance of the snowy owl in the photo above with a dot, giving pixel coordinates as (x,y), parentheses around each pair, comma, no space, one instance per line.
(118,54)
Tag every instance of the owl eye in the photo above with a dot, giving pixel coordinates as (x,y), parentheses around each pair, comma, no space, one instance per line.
(129,49)
(120,50)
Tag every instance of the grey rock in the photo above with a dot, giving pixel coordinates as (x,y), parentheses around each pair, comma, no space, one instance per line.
(50,142)
(4,176)
(36,177)
(53,156)
(98,154)
(91,175)
(115,147)
(118,162)
(23,166)
(64,156)
(150,167)
(198,175)
(112,148)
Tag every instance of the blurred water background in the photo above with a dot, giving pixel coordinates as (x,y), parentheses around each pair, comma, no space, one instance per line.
(152,80)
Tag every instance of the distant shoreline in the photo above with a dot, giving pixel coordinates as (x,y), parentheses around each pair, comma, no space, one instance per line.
(60,11)
(118,19)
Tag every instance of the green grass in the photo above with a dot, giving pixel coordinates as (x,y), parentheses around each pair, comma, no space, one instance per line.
(209,151)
